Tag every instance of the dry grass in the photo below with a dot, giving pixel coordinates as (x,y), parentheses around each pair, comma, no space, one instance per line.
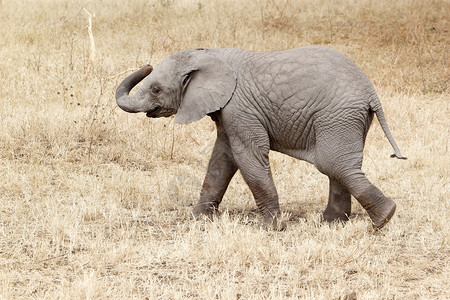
(95,202)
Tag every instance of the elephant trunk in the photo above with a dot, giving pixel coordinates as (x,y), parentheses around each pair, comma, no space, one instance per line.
(131,104)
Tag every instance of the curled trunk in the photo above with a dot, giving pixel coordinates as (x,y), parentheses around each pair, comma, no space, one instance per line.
(131,104)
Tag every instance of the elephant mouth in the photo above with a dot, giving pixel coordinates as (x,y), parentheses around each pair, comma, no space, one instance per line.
(159,111)
(153,112)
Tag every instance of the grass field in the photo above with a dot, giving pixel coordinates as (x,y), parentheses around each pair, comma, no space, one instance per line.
(95,202)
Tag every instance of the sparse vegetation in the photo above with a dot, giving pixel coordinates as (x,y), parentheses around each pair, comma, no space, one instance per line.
(95,203)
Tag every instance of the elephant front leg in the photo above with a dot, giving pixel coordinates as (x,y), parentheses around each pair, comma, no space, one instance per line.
(221,170)
(339,203)
(266,197)
(252,159)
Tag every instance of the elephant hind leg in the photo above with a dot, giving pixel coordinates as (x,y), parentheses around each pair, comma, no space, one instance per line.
(339,203)
(343,165)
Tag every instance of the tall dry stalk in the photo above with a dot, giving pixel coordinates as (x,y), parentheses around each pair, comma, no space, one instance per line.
(92,52)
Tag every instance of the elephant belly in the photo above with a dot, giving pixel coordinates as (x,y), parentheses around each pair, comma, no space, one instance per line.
(303,154)
(296,139)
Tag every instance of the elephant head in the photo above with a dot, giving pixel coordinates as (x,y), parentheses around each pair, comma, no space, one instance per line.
(189,83)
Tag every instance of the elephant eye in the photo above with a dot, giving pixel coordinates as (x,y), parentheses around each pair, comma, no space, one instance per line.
(156,90)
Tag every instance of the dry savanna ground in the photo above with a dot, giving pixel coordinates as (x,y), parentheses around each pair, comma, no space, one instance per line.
(95,202)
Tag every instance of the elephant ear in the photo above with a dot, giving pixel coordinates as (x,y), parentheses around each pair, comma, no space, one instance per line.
(211,85)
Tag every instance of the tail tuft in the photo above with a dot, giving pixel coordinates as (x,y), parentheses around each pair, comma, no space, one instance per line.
(398,156)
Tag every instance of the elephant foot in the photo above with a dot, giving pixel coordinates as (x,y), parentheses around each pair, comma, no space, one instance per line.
(382,213)
(274,223)
(379,207)
(206,210)
(331,215)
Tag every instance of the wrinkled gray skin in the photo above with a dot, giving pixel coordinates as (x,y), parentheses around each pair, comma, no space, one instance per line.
(311,103)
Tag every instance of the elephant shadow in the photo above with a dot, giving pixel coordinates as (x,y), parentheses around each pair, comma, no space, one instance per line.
(252,216)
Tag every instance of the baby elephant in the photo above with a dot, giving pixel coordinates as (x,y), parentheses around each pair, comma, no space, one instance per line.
(312,103)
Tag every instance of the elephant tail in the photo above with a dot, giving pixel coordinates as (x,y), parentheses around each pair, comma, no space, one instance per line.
(376,107)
